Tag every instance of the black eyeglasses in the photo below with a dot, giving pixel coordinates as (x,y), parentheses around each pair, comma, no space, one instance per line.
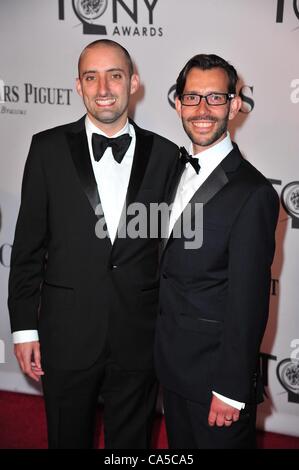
(212,99)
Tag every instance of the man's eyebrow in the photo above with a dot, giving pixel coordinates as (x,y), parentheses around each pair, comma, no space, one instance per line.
(108,70)
(88,71)
(197,93)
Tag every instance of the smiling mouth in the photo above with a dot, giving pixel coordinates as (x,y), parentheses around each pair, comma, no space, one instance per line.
(202,123)
(206,125)
(105,102)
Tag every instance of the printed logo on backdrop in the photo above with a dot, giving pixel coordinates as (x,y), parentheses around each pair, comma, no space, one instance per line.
(283,7)
(5,252)
(118,18)
(29,93)
(245,93)
(2,352)
(264,361)
(295,91)
(290,200)
(287,372)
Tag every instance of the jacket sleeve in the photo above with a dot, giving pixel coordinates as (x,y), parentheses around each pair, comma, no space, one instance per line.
(251,251)
(29,247)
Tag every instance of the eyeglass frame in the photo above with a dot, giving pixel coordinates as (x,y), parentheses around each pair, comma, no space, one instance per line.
(229,97)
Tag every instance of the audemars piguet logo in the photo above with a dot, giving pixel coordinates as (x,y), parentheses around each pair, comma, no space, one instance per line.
(30,94)
(115,17)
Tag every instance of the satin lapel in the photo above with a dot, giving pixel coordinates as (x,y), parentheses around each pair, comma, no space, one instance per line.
(172,193)
(144,143)
(211,186)
(78,144)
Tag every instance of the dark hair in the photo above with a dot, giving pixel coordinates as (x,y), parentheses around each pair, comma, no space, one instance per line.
(207,62)
(109,42)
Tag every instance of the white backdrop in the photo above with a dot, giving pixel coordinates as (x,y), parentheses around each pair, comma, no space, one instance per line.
(39,47)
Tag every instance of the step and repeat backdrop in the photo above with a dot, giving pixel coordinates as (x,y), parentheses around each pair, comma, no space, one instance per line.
(40,44)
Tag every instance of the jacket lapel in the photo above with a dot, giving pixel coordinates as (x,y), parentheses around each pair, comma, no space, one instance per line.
(144,143)
(211,186)
(77,140)
(143,147)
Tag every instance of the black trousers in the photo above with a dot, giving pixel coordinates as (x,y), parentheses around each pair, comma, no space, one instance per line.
(187,426)
(71,399)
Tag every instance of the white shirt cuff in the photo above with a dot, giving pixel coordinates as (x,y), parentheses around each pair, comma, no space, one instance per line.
(25,336)
(236,404)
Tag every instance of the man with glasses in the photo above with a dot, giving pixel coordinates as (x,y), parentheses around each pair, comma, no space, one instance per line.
(214,299)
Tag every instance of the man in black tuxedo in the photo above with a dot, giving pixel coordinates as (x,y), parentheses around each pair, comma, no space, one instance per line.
(214,298)
(83,305)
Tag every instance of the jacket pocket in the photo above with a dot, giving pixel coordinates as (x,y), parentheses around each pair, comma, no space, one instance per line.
(199,324)
(57,303)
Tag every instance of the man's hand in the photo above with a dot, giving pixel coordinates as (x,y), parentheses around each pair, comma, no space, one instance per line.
(221,413)
(28,356)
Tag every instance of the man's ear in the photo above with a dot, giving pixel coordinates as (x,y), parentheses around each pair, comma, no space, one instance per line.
(78,87)
(178,106)
(135,83)
(235,106)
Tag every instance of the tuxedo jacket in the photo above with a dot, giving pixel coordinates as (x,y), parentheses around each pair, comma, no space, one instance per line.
(81,292)
(214,299)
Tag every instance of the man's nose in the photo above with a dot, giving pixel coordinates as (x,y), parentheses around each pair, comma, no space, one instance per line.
(102,86)
(203,106)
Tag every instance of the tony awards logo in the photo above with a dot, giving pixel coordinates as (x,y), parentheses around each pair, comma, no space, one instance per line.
(88,11)
(281,7)
(106,17)
(288,375)
(290,201)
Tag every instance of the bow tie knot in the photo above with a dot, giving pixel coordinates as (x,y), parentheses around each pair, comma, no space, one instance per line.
(119,146)
(186,158)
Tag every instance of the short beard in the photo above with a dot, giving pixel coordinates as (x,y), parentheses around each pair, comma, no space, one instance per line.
(222,129)
(107,119)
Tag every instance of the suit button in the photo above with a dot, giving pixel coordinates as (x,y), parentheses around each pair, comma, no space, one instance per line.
(114,266)
(164,276)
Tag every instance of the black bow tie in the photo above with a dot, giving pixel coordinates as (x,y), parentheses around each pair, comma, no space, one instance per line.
(186,158)
(119,146)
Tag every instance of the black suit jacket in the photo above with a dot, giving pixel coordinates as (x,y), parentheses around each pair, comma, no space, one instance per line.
(80,291)
(214,300)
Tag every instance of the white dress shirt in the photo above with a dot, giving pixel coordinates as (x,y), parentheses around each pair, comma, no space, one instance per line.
(112,179)
(189,183)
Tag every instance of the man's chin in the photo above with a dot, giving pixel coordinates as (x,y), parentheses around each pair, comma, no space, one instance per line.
(106,118)
(208,141)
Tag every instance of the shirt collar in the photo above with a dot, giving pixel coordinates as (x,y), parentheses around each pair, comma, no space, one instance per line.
(91,128)
(214,154)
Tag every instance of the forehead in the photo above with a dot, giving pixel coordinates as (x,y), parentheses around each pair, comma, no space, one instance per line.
(215,79)
(102,57)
